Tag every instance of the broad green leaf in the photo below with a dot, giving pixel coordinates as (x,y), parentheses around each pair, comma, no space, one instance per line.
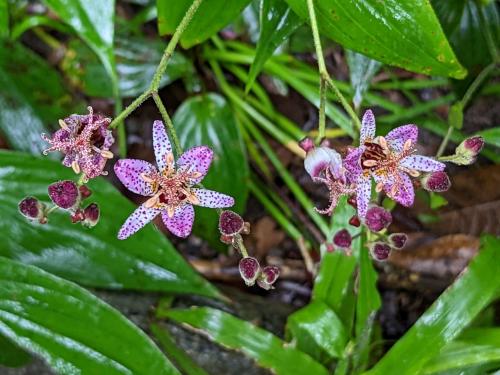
(92,257)
(74,331)
(211,16)
(12,355)
(136,61)
(405,33)
(4,18)
(491,136)
(361,71)
(318,331)
(448,316)
(34,21)
(277,23)
(208,120)
(32,96)
(265,348)
(93,21)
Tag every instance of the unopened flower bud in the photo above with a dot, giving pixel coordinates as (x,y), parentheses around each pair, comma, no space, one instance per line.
(91,214)
(436,181)
(377,218)
(330,248)
(352,201)
(85,192)
(354,221)
(398,240)
(467,151)
(33,209)
(307,144)
(230,223)
(380,251)
(249,270)
(342,239)
(268,277)
(64,194)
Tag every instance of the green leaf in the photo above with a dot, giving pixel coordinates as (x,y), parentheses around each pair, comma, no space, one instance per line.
(32,95)
(136,61)
(318,331)
(93,257)
(405,33)
(74,331)
(448,316)
(11,355)
(208,120)
(265,348)
(4,18)
(491,136)
(278,22)
(361,71)
(93,21)
(211,16)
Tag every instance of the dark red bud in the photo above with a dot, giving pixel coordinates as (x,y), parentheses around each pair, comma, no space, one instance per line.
(228,240)
(85,192)
(342,239)
(330,248)
(436,181)
(380,251)
(377,218)
(352,201)
(77,216)
(91,214)
(249,270)
(64,194)
(354,221)
(474,144)
(268,277)
(230,223)
(398,240)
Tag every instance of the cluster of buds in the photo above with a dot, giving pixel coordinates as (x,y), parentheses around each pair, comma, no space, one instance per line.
(231,227)
(66,195)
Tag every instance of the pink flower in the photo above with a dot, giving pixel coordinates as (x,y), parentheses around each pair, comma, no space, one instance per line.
(171,186)
(85,141)
(390,160)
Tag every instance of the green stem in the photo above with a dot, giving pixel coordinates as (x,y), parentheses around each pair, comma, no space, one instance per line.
(168,123)
(129,109)
(492,47)
(322,106)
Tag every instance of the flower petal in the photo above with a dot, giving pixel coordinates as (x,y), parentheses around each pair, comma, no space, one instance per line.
(129,170)
(422,163)
(404,193)
(196,159)
(181,223)
(367,127)
(320,158)
(213,199)
(138,219)
(161,144)
(352,164)
(397,137)
(363,195)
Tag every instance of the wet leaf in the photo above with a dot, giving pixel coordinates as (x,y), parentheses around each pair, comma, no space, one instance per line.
(71,329)
(265,348)
(278,22)
(318,331)
(31,97)
(361,71)
(211,16)
(92,257)
(11,355)
(448,316)
(208,120)
(375,29)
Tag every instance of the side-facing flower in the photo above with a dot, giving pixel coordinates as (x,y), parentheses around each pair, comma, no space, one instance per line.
(171,187)
(85,141)
(390,160)
(268,277)
(377,218)
(342,239)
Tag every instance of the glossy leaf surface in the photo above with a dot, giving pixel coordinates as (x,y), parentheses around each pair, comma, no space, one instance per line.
(211,16)
(92,257)
(278,22)
(71,329)
(448,316)
(405,33)
(361,71)
(208,120)
(265,348)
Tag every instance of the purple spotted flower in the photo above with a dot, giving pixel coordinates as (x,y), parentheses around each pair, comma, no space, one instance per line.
(171,187)
(390,160)
(85,141)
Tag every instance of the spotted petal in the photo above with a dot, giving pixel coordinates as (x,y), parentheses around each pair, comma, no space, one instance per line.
(213,199)
(129,172)
(138,219)
(422,163)
(181,223)
(397,137)
(404,194)
(367,127)
(352,163)
(363,195)
(161,144)
(196,159)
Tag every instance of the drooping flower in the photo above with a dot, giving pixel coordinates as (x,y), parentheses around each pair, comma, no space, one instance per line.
(436,181)
(466,153)
(390,160)
(171,187)
(85,141)
(64,194)
(380,251)
(249,268)
(91,214)
(398,240)
(268,277)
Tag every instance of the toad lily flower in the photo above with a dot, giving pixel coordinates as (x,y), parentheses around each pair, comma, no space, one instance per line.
(170,187)
(85,141)
(390,160)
